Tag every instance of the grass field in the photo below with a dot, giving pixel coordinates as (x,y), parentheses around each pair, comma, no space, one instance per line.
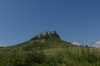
(51,52)
(56,56)
(76,56)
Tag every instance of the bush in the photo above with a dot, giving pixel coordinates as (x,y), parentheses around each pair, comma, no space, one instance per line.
(35,57)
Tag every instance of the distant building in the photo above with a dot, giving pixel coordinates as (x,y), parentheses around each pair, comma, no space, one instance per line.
(53,32)
(46,33)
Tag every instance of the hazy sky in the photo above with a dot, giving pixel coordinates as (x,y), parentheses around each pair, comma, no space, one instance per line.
(74,20)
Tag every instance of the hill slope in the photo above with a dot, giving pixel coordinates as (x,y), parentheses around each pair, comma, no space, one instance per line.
(47,41)
(48,50)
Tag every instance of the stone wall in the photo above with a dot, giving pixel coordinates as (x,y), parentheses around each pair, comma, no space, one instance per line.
(46,33)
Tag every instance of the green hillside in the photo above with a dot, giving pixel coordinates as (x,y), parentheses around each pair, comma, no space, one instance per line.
(48,49)
(45,42)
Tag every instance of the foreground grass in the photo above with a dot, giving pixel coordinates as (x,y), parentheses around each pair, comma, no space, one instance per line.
(66,56)
(76,56)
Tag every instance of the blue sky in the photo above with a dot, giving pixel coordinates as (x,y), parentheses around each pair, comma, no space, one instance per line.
(74,20)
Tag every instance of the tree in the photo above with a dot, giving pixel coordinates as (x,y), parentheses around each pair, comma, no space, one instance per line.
(86,45)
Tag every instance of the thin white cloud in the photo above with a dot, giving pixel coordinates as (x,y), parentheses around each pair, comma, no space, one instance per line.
(77,43)
(1,45)
(97,44)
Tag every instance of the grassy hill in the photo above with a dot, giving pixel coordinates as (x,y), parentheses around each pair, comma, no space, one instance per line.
(48,51)
(44,42)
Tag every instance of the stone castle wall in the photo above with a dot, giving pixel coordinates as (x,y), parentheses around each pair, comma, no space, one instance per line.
(46,33)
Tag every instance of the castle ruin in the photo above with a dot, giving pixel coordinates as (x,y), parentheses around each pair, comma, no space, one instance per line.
(46,33)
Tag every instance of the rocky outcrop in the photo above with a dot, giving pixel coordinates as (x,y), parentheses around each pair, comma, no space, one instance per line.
(47,33)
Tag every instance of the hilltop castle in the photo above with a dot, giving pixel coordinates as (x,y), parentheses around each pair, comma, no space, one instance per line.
(46,33)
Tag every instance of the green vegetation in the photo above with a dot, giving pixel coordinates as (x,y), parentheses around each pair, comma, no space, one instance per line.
(48,52)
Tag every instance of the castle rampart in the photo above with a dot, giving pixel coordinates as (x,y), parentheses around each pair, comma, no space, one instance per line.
(46,33)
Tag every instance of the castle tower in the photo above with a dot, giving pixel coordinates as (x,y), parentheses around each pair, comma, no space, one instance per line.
(53,32)
(45,33)
(49,33)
